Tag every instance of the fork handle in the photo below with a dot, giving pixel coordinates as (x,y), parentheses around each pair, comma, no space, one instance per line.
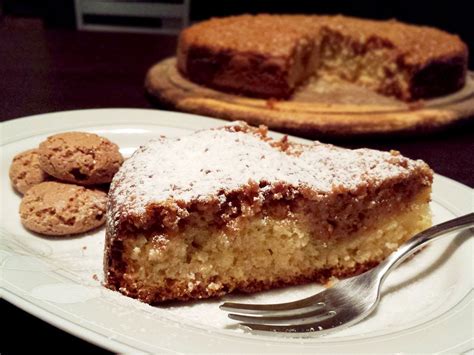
(421,239)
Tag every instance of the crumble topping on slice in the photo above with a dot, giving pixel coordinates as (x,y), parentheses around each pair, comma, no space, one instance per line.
(206,165)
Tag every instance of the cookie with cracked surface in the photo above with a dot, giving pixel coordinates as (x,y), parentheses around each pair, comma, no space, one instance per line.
(25,171)
(79,157)
(54,208)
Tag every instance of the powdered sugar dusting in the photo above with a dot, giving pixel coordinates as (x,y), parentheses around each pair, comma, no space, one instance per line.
(209,163)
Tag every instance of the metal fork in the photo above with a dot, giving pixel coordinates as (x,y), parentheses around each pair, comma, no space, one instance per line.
(344,304)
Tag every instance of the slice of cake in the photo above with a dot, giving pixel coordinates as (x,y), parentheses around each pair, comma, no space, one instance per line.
(230,209)
(272,55)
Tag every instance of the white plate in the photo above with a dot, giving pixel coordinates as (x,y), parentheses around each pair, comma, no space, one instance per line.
(427,303)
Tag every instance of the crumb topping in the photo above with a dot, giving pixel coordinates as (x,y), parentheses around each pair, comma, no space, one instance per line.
(207,165)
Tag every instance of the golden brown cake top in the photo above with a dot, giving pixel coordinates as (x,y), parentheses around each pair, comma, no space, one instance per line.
(204,167)
(277,35)
(264,34)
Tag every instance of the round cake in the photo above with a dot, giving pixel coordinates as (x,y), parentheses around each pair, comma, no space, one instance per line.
(270,56)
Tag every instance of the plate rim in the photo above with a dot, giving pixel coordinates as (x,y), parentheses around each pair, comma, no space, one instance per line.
(69,326)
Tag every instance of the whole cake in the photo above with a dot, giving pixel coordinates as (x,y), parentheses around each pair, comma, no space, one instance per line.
(230,209)
(269,56)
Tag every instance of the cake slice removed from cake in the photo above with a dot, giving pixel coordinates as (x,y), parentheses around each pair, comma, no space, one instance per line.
(230,209)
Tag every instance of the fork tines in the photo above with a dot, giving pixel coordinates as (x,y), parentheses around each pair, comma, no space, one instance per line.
(311,314)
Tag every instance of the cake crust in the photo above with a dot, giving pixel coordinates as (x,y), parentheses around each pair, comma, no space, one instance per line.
(224,181)
(270,55)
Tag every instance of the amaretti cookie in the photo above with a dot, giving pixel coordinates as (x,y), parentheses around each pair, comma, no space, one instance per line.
(54,208)
(25,171)
(80,158)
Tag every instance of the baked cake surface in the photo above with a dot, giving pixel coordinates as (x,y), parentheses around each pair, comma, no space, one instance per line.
(271,55)
(231,209)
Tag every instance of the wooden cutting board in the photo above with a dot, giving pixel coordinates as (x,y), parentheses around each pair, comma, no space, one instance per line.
(320,108)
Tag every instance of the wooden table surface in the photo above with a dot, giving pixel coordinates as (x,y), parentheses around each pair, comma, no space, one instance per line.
(53,70)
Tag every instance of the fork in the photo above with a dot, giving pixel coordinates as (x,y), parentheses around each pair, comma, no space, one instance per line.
(346,303)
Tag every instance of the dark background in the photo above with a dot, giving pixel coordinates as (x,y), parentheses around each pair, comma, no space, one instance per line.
(453,16)
(41,55)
